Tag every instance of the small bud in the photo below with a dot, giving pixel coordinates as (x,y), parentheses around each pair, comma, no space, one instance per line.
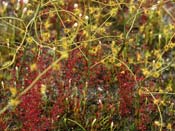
(13,102)
(5,4)
(24,10)
(13,91)
(169,126)
(16,68)
(86,17)
(100,89)
(157,123)
(80,15)
(54,48)
(64,54)
(99,101)
(2,83)
(33,67)
(160,36)
(70,81)
(75,5)
(156,101)
(75,24)
(43,89)
(154,7)
(112,125)
(25,1)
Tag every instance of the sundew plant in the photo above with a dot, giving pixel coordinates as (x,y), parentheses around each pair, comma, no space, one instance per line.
(87,65)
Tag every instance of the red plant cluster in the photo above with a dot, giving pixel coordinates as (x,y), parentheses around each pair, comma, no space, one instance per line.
(31,110)
(145,110)
(35,114)
(77,69)
(126,86)
(3,125)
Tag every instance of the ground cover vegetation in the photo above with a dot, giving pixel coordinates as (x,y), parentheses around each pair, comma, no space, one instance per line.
(87,65)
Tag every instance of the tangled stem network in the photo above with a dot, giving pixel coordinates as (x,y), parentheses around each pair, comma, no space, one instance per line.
(87,65)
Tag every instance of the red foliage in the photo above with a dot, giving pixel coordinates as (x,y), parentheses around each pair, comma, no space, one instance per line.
(126,85)
(3,125)
(145,111)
